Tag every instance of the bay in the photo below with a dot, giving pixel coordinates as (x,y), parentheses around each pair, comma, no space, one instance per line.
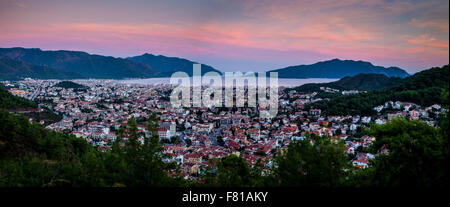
(285,82)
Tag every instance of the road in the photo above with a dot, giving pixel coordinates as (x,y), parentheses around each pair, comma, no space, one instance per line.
(35,94)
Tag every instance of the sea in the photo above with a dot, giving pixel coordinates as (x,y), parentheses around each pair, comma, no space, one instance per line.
(282,82)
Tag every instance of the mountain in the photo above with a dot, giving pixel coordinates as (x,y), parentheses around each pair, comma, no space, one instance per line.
(82,64)
(358,82)
(87,65)
(17,70)
(168,65)
(423,88)
(337,68)
(366,82)
(437,77)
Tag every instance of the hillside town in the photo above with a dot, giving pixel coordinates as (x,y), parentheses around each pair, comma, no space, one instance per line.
(193,136)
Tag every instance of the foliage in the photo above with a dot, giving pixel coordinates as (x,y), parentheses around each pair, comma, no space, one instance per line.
(9,101)
(231,171)
(418,156)
(358,82)
(318,164)
(423,88)
(33,156)
(70,84)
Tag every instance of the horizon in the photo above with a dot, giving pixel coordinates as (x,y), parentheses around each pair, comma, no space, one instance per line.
(238,36)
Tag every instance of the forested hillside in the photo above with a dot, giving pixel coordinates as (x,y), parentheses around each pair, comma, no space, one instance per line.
(17,70)
(9,101)
(358,82)
(70,84)
(424,88)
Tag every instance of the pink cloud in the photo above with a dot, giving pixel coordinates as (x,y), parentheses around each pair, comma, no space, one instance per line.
(428,41)
(350,29)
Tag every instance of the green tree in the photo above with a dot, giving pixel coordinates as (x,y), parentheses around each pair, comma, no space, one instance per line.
(418,156)
(220,141)
(311,165)
(230,171)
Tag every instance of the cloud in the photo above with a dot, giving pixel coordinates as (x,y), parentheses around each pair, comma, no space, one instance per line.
(438,24)
(394,32)
(18,3)
(428,41)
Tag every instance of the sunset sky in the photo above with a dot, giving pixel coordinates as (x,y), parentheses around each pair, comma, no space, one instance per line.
(237,35)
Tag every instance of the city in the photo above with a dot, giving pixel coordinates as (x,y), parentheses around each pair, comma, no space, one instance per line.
(193,136)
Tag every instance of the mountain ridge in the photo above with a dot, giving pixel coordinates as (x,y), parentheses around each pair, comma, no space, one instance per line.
(168,65)
(423,88)
(103,67)
(90,66)
(16,70)
(362,81)
(155,66)
(337,68)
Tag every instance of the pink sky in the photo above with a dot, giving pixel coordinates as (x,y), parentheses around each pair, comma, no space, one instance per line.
(237,35)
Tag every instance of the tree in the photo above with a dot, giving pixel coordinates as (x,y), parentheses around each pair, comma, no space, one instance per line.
(175,140)
(418,156)
(311,165)
(188,142)
(149,169)
(423,88)
(230,171)
(33,156)
(220,141)
(260,153)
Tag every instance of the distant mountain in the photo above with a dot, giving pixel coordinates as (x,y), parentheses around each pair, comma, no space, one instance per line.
(337,69)
(89,66)
(86,65)
(17,70)
(168,65)
(359,82)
